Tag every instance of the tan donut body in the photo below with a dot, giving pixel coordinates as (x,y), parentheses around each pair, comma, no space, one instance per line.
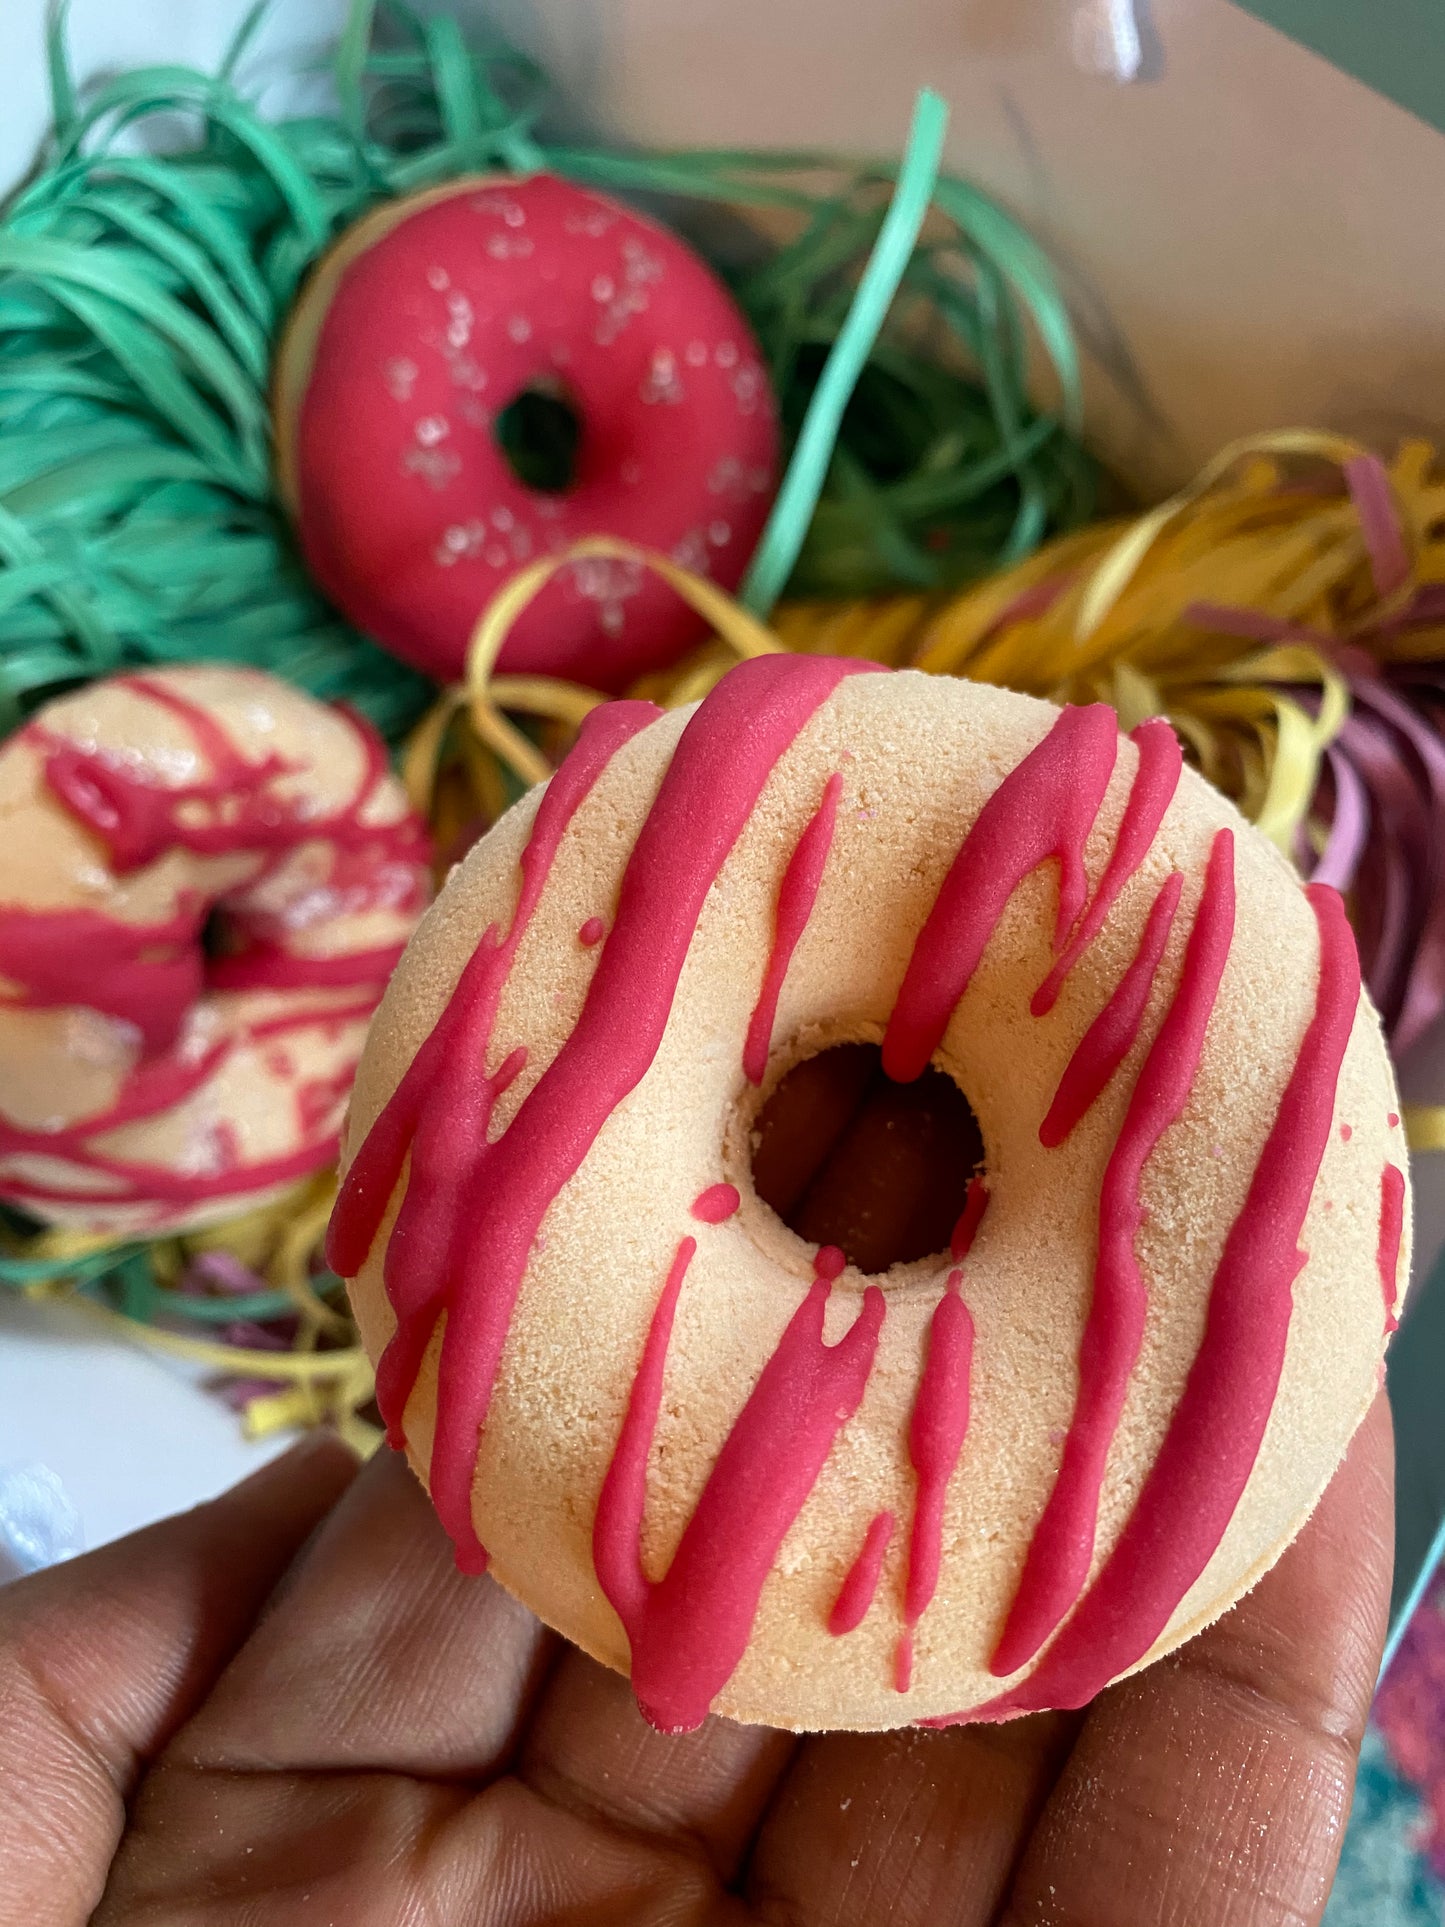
(919,758)
(188,1099)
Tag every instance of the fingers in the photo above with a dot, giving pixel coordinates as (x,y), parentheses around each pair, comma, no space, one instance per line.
(804,1118)
(378,1655)
(892,1186)
(333,1775)
(1212,1791)
(102,1658)
(848,1157)
(590,1751)
(912,1828)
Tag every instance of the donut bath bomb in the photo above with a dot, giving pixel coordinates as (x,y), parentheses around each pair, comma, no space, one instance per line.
(447,324)
(206,878)
(719,1458)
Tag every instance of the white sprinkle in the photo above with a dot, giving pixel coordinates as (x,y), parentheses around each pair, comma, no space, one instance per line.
(502,518)
(748,387)
(603,288)
(719,534)
(692,553)
(431,429)
(663,384)
(696,356)
(438,278)
(519,329)
(726,354)
(400,378)
(436,466)
(466,374)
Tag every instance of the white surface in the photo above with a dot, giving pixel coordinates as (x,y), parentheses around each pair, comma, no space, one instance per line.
(130,1437)
(105,38)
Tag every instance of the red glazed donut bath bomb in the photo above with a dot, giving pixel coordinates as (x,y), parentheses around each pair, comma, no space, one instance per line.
(447,324)
(206,878)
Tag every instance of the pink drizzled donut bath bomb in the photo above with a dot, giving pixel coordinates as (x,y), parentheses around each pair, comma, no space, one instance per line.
(206,878)
(721,1459)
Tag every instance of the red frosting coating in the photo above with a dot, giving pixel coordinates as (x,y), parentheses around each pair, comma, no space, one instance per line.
(1109,1039)
(1058,1558)
(1392,1231)
(410,515)
(1045,807)
(797,893)
(860,1582)
(150,976)
(1150,795)
(688,1629)
(1214,1436)
(936,1433)
(482,1204)
(716,1204)
(975,1203)
(440,1110)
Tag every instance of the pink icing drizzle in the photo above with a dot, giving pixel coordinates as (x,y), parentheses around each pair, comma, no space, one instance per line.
(936,1432)
(1209,1450)
(688,1630)
(149,973)
(860,1583)
(1110,1038)
(1150,795)
(975,1203)
(1392,1231)
(481,1232)
(1057,1564)
(797,893)
(1045,807)
(717,1203)
(441,1109)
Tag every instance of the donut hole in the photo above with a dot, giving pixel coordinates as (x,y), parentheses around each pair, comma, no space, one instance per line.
(847,1157)
(219,935)
(539,434)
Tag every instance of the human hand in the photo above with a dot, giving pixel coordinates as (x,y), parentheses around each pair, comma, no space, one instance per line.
(287,1709)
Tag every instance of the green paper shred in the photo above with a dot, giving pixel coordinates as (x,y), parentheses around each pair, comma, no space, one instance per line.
(142,298)
(817,439)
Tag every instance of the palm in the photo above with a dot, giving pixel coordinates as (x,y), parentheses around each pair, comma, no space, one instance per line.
(392,1744)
